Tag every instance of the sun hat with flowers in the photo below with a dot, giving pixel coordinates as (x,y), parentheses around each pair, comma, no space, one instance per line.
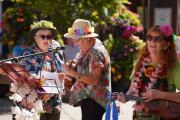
(80,29)
(38,25)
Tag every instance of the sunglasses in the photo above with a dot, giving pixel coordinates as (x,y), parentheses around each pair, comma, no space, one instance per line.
(154,38)
(45,37)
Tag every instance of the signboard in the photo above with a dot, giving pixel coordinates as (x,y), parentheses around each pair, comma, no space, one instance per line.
(162,16)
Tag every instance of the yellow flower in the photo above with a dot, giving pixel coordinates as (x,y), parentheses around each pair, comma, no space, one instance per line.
(119,76)
(92,30)
(42,81)
(70,30)
(46,97)
(113,70)
(148,71)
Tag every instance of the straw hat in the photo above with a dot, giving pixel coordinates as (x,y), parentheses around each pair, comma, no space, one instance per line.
(38,25)
(80,29)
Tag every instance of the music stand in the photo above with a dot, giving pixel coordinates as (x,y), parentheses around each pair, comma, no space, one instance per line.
(52,84)
(12,71)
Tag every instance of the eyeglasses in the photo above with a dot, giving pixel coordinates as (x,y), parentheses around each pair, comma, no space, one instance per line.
(45,37)
(155,38)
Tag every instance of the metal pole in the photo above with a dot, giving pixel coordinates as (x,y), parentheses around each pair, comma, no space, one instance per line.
(34,54)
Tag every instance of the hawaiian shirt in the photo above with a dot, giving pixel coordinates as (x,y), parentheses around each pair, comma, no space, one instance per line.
(36,63)
(97,55)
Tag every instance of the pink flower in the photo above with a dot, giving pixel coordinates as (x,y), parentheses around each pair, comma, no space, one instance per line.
(166,30)
(125,46)
(126,34)
(139,74)
(153,79)
(154,74)
(147,59)
(131,50)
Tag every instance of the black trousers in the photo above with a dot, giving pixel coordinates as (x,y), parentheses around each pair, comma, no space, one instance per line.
(50,116)
(91,110)
(47,116)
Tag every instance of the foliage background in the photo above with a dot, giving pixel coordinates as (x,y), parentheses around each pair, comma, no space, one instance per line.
(114,23)
(123,46)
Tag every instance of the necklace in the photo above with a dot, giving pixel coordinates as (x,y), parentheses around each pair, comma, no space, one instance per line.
(148,75)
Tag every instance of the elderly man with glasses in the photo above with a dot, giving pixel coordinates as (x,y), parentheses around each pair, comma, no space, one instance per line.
(42,33)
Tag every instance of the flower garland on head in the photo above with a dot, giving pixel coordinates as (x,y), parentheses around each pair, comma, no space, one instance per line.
(166,30)
(148,76)
(28,103)
(81,31)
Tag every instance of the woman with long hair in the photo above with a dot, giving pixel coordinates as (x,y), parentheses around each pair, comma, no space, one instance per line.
(155,71)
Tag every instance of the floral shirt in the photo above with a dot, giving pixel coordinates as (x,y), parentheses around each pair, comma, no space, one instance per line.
(149,76)
(97,55)
(36,63)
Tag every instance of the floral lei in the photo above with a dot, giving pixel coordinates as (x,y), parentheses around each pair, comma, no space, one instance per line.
(149,76)
(27,100)
(81,31)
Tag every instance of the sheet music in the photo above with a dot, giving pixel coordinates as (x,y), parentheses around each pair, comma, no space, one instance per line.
(52,84)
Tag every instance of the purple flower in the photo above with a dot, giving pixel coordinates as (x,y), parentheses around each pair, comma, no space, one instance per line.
(117,20)
(166,30)
(128,28)
(79,31)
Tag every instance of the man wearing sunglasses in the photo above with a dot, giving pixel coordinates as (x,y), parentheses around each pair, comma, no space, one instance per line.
(42,33)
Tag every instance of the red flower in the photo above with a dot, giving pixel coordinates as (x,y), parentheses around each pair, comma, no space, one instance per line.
(139,84)
(166,30)
(126,34)
(20,20)
(106,82)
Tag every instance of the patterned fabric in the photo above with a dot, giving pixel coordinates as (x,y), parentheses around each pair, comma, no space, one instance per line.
(36,63)
(96,56)
(148,77)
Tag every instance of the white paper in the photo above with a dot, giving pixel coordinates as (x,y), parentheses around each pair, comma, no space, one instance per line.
(126,110)
(52,84)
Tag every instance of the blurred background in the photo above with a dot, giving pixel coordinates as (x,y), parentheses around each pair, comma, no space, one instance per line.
(121,25)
